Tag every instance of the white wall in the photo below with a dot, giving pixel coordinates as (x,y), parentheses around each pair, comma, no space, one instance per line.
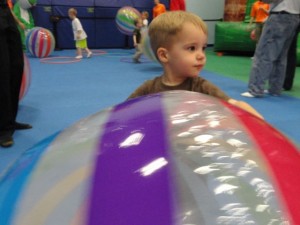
(207,10)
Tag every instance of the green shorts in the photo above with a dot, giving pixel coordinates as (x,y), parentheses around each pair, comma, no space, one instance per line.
(81,43)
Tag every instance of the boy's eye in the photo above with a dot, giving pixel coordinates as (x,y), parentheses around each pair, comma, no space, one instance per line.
(192,48)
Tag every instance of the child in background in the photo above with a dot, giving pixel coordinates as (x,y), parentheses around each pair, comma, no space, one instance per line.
(158,8)
(80,36)
(144,29)
(137,36)
(179,39)
(145,16)
(259,14)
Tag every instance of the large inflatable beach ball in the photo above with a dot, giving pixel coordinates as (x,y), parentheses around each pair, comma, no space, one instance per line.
(165,159)
(26,78)
(40,42)
(146,46)
(125,19)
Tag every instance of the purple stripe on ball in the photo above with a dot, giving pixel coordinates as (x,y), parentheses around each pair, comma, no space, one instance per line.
(131,184)
(33,41)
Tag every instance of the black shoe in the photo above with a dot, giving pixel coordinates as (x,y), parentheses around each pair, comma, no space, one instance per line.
(22,126)
(6,142)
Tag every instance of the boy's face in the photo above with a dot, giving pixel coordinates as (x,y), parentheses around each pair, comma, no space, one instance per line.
(144,16)
(139,23)
(186,56)
(71,15)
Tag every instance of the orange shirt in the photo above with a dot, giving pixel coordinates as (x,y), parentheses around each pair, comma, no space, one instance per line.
(10,5)
(258,13)
(158,9)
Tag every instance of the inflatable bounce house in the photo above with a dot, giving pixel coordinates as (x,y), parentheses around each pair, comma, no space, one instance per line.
(233,33)
(97,18)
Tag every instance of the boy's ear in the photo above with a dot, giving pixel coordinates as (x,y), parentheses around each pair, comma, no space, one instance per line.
(162,54)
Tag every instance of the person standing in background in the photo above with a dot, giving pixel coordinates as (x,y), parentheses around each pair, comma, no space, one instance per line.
(145,23)
(158,9)
(291,64)
(145,16)
(270,57)
(137,36)
(11,72)
(80,36)
(259,14)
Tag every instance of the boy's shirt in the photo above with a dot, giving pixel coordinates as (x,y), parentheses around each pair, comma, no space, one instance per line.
(259,14)
(76,25)
(197,84)
(137,33)
(158,9)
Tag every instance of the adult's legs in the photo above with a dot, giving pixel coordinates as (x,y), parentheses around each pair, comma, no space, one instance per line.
(11,71)
(16,65)
(291,64)
(6,103)
(278,74)
(269,61)
(138,53)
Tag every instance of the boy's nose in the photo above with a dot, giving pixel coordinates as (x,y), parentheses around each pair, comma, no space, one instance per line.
(200,54)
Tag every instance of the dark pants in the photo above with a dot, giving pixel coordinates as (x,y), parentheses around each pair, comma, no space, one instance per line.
(291,64)
(11,70)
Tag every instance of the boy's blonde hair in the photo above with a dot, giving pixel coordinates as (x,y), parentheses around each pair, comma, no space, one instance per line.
(167,25)
(145,13)
(73,11)
(135,22)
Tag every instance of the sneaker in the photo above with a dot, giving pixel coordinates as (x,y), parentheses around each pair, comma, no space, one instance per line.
(89,55)
(78,57)
(247,94)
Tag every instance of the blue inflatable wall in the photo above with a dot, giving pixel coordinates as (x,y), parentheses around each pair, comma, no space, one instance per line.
(97,18)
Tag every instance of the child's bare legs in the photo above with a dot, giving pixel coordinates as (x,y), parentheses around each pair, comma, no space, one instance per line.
(138,53)
(88,53)
(79,53)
